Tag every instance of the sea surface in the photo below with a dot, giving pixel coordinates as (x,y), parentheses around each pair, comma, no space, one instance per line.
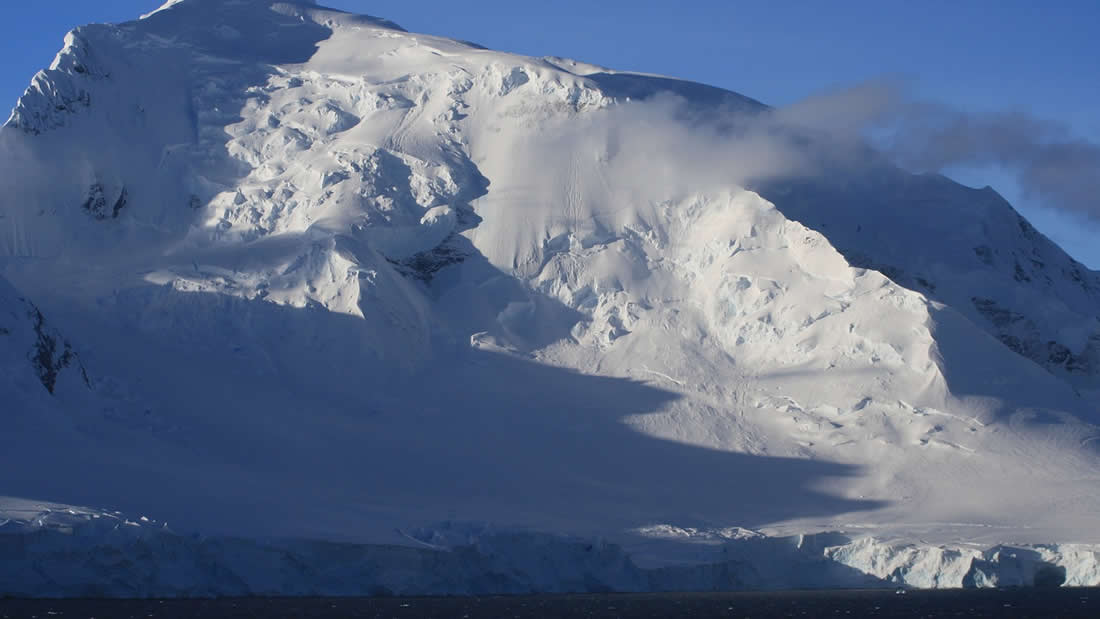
(1064,602)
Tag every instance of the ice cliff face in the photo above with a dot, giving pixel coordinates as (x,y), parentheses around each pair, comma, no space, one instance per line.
(120,557)
(334,279)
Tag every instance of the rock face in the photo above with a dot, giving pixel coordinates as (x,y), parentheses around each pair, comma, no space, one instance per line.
(338,281)
(29,342)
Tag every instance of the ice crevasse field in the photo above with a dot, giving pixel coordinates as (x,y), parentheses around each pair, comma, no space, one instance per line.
(297,302)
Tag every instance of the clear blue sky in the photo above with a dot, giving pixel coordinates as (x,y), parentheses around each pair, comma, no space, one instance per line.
(986,55)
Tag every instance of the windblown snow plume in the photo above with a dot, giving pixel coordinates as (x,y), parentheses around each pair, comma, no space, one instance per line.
(1048,161)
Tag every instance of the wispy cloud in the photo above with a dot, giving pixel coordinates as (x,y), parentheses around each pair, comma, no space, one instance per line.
(834,129)
(1051,164)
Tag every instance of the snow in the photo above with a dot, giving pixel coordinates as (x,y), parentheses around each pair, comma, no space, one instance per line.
(345,282)
(140,557)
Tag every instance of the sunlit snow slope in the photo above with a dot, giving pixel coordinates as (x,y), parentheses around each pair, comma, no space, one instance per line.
(323,278)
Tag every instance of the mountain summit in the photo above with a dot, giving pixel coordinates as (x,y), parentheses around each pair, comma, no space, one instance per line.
(321,278)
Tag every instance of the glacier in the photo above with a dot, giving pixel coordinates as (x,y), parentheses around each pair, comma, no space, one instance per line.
(76,552)
(306,285)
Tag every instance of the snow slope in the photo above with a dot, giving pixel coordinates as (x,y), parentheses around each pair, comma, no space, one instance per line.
(336,281)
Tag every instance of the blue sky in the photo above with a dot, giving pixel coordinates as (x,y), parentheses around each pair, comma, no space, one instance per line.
(979,56)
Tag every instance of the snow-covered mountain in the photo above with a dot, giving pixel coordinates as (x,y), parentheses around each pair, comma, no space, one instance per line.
(332,280)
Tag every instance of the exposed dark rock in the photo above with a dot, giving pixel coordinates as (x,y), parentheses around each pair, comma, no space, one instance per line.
(999,316)
(51,354)
(985,254)
(1021,275)
(45,117)
(1013,329)
(424,265)
(1020,334)
(896,274)
(926,284)
(1057,353)
(1026,228)
(96,202)
(119,203)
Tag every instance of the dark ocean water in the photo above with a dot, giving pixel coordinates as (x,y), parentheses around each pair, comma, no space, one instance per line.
(954,603)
